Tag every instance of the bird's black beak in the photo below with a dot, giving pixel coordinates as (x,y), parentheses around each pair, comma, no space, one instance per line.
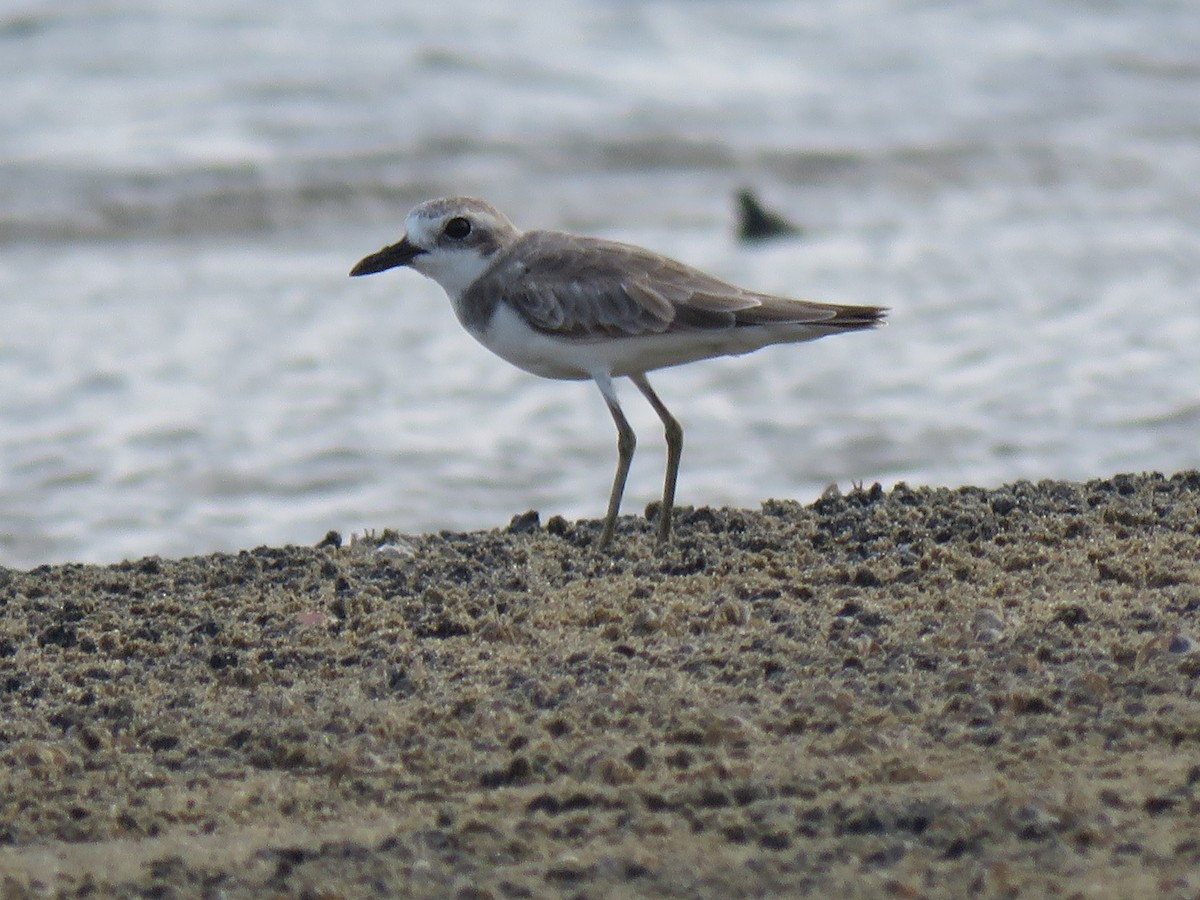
(398,254)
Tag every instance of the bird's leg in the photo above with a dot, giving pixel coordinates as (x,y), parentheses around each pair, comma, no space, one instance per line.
(626,444)
(674,433)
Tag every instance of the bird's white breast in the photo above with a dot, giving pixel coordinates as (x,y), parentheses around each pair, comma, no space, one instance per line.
(508,336)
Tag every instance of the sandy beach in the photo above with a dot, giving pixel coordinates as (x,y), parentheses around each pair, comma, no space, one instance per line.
(910,693)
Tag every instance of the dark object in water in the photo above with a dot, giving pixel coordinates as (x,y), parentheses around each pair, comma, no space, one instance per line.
(756,223)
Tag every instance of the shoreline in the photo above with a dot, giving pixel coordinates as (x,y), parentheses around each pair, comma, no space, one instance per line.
(909,692)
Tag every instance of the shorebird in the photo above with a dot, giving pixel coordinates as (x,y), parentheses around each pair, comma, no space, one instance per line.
(565,306)
(757,223)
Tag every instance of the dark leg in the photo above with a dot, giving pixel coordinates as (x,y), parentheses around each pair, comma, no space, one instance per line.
(674,432)
(626,443)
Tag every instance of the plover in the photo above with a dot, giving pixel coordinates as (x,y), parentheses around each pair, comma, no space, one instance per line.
(757,223)
(565,306)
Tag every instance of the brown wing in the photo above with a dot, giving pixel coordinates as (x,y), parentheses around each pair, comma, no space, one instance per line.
(587,287)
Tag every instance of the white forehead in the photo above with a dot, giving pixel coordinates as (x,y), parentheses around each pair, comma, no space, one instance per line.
(420,227)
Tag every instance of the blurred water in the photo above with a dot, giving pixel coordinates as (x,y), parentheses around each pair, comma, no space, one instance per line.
(185,366)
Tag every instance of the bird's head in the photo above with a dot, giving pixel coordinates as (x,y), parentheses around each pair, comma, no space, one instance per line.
(452,240)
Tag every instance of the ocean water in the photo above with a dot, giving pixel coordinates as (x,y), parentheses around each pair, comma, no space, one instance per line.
(185,367)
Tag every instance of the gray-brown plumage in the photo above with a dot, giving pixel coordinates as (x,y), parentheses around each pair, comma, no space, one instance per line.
(587,288)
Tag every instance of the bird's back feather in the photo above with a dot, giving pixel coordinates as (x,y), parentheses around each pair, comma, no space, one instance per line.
(589,288)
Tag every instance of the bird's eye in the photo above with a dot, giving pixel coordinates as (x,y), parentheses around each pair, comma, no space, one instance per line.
(457,228)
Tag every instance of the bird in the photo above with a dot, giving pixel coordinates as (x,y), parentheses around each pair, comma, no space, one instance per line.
(567,306)
(757,223)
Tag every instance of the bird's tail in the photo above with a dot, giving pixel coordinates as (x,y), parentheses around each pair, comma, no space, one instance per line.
(852,318)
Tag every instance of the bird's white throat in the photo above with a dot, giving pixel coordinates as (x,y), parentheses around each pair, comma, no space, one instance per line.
(454,268)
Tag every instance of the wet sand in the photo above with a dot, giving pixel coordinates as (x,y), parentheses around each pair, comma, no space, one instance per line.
(917,692)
